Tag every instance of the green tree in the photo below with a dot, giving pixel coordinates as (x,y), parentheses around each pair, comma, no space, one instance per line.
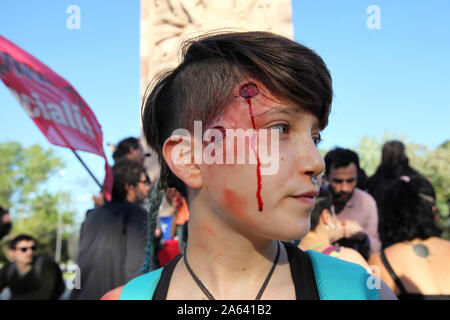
(24,174)
(369,153)
(433,164)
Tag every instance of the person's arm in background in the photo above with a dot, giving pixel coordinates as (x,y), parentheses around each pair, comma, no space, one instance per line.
(99,199)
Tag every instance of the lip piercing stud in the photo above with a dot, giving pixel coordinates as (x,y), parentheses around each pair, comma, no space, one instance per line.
(314,180)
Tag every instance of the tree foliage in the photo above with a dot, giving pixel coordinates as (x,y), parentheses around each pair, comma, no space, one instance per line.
(433,164)
(34,210)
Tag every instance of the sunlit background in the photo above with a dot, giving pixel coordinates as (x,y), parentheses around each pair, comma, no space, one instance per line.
(391,80)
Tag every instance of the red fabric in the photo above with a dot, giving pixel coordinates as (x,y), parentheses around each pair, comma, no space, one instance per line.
(52,103)
(169,251)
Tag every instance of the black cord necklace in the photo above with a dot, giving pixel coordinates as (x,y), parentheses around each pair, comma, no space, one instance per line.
(211,297)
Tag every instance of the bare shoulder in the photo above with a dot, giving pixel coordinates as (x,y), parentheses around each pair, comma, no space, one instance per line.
(440,243)
(375,259)
(380,270)
(354,256)
(385,290)
(114,294)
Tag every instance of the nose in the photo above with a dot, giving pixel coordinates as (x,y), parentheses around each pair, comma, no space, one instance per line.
(310,161)
(346,187)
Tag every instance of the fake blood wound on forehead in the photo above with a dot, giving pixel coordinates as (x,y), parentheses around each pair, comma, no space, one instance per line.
(221,129)
(248,91)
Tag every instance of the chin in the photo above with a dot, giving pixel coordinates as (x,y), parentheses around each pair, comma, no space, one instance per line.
(299,235)
(293,231)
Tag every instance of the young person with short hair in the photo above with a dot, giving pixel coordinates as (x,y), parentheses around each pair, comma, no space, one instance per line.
(242,85)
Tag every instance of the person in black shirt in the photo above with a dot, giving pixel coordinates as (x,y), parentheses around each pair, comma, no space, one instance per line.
(30,277)
(113,236)
(394,164)
(5,222)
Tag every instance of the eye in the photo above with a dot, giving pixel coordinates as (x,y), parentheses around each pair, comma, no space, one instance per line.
(222,131)
(317,140)
(283,128)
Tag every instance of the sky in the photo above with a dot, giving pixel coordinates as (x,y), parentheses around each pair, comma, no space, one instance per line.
(389,61)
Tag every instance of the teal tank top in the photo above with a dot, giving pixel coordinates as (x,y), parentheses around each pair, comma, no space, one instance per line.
(335,279)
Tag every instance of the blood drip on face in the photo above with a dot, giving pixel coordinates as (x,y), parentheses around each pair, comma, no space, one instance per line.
(248,91)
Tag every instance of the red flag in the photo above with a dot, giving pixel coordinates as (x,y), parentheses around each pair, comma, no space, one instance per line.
(54,105)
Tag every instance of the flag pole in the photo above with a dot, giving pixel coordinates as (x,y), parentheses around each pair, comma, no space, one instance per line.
(89,171)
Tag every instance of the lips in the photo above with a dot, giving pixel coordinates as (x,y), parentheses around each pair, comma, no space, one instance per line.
(307,198)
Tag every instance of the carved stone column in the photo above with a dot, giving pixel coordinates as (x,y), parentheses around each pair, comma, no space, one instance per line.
(166,23)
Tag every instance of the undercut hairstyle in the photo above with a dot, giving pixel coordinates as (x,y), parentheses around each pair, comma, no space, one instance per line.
(406,211)
(124,146)
(340,157)
(125,171)
(202,86)
(20,237)
(323,201)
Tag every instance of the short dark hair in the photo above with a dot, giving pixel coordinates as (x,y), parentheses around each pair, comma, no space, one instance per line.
(340,157)
(20,237)
(323,201)
(125,171)
(393,152)
(213,64)
(394,164)
(124,146)
(3,211)
(406,211)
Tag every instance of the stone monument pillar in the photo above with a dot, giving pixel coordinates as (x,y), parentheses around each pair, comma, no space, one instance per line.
(166,23)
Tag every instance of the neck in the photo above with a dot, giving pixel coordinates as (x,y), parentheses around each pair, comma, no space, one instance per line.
(23,268)
(316,236)
(227,261)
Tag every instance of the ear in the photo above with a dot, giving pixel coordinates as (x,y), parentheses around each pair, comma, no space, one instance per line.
(178,152)
(325,217)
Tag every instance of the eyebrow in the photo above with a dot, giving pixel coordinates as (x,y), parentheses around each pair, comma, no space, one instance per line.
(286,109)
(340,180)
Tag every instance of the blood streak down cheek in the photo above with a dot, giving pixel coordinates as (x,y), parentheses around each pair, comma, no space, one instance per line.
(248,91)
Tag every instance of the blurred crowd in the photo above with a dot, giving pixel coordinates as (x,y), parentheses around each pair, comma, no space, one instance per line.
(387,223)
